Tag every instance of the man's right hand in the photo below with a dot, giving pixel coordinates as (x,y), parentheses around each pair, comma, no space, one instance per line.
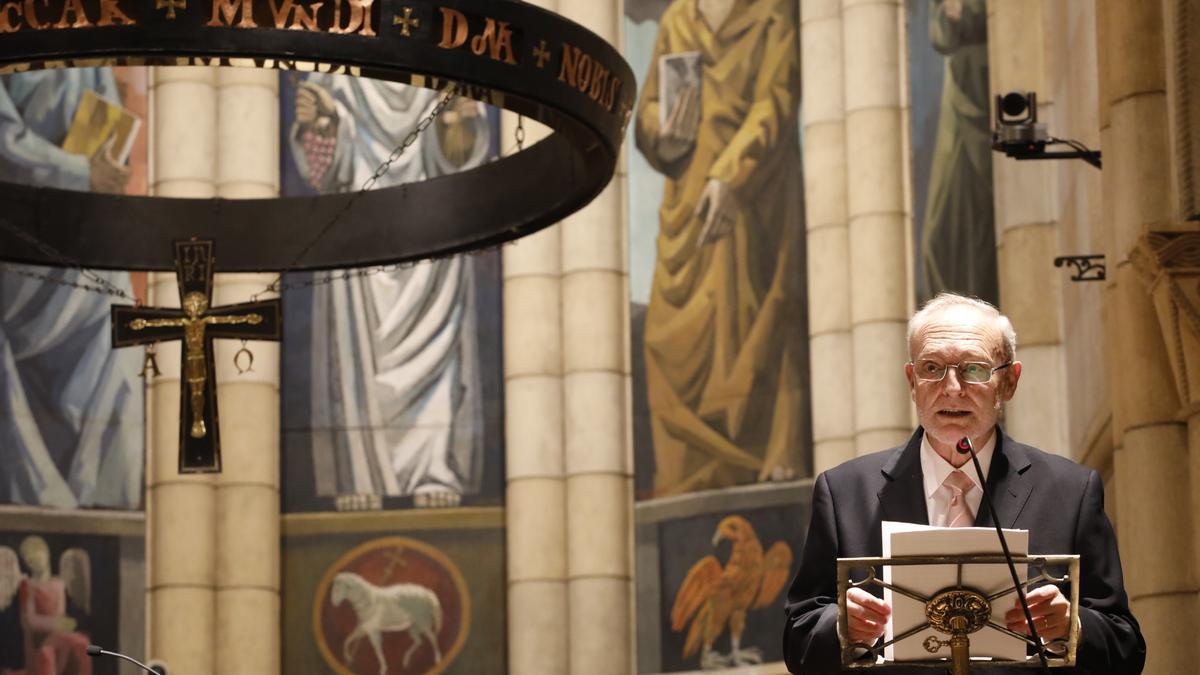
(866,616)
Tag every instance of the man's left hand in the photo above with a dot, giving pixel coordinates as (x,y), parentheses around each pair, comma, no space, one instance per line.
(718,210)
(1051,613)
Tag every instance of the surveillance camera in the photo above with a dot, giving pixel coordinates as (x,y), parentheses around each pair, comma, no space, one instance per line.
(1018,134)
(1016,108)
(1016,122)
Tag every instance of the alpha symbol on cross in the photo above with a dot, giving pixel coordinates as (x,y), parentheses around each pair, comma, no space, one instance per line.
(197,324)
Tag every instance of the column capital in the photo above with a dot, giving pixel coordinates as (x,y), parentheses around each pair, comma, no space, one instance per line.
(1169,264)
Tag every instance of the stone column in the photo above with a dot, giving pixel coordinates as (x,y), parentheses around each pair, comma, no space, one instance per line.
(598,466)
(1026,204)
(879,278)
(829,327)
(533,405)
(1154,510)
(1183,83)
(181,524)
(247,496)
(1166,262)
(1069,83)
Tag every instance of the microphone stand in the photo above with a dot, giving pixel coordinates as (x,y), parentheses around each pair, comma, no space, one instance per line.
(965,447)
(96,650)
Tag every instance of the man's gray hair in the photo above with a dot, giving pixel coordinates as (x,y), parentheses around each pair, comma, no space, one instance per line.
(945,300)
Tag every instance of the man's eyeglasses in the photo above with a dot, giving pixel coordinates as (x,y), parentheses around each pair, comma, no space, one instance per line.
(976,373)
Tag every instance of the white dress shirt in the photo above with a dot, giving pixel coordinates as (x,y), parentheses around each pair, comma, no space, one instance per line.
(934,469)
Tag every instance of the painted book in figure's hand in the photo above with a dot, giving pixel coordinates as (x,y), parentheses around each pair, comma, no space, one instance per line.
(907,539)
(99,121)
(675,72)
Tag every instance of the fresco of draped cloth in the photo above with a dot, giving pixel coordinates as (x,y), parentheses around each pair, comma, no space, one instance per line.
(722,354)
(71,417)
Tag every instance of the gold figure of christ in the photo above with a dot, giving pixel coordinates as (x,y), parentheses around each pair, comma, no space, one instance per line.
(195,304)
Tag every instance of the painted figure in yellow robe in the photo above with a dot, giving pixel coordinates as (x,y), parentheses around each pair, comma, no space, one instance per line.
(718,116)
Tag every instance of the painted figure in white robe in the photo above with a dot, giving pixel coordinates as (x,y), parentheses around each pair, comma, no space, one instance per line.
(396,397)
(71,418)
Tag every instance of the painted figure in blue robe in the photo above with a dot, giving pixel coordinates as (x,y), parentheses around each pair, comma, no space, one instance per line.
(71,413)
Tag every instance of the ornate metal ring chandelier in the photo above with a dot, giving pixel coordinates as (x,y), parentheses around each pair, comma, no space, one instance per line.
(508,54)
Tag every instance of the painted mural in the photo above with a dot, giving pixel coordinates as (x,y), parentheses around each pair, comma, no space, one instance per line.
(712,575)
(359,599)
(954,223)
(71,413)
(719,327)
(391,604)
(715,599)
(393,379)
(52,641)
(61,592)
(717,239)
(392,408)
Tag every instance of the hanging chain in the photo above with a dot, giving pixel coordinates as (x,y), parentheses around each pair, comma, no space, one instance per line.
(277,286)
(107,289)
(99,283)
(330,277)
(519,137)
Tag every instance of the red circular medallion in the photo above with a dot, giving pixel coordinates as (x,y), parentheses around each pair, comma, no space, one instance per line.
(391,605)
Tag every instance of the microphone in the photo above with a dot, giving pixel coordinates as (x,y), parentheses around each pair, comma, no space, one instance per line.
(96,650)
(964,447)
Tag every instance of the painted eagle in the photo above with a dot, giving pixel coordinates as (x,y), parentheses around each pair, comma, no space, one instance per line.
(715,598)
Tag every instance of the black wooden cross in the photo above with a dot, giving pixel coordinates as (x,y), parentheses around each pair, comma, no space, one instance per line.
(197,325)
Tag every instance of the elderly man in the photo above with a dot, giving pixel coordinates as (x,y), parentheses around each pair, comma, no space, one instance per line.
(963,368)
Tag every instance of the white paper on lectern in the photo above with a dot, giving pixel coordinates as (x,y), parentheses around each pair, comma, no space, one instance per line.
(908,539)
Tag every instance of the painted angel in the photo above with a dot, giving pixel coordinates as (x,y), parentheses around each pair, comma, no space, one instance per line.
(52,645)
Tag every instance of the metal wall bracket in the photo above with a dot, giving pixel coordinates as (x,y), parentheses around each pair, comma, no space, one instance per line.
(1087,267)
(1038,151)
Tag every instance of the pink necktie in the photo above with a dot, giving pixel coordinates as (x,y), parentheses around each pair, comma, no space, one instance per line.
(959,513)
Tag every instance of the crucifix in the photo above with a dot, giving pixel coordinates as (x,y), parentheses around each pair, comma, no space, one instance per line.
(197,324)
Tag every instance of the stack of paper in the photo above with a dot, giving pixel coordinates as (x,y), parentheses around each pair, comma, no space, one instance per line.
(907,539)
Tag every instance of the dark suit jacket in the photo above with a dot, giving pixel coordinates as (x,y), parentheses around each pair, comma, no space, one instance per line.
(1061,504)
